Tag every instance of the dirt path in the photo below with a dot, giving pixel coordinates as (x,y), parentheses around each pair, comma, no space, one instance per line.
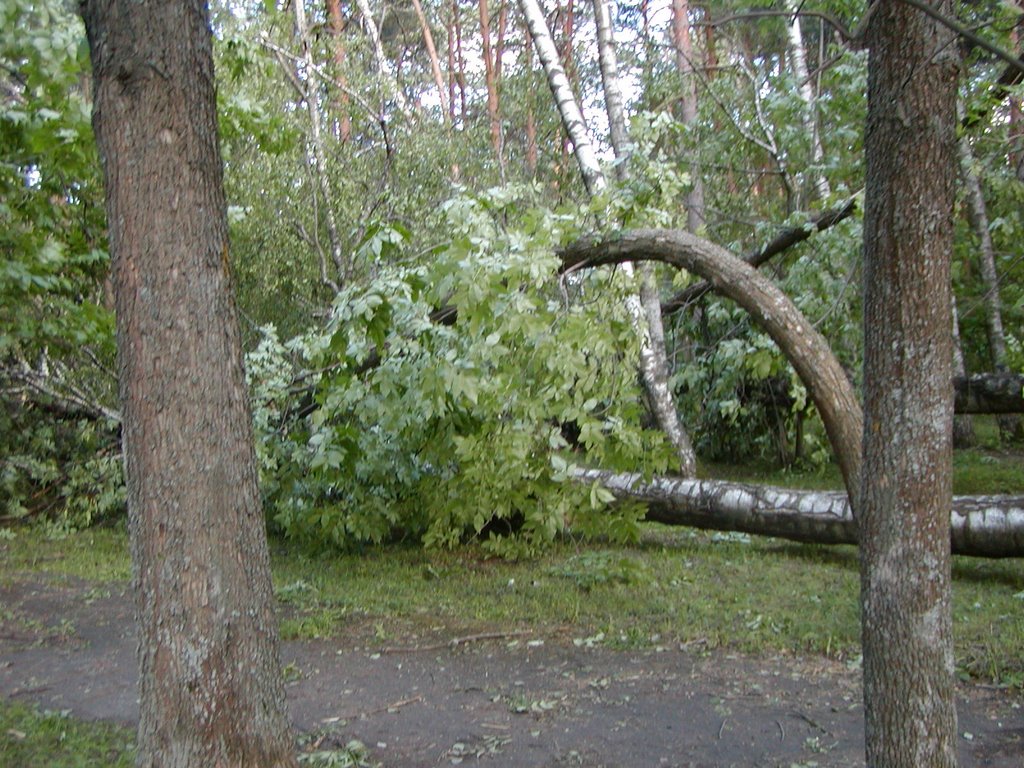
(515,702)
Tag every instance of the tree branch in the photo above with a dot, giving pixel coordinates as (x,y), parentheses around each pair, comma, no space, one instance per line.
(784,240)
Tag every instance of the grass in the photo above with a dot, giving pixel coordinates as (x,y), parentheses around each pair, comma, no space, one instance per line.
(705,590)
(676,586)
(30,738)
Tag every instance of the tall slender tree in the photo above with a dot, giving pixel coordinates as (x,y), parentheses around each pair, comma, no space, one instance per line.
(906,486)
(211,691)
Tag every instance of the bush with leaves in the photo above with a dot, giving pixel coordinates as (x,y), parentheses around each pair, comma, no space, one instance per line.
(443,432)
(57,392)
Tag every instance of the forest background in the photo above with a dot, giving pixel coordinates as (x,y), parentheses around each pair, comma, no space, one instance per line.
(400,186)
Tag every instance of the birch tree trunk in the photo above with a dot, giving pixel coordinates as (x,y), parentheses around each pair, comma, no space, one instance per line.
(798,58)
(318,162)
(963,424)
(981,526)
(910,150)
(653,360)
(565,100)
(380,60)
(211,690)
(977,213)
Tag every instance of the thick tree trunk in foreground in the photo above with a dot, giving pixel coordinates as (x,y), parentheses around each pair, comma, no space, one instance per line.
(210,682)
(982,526)
(804,347)
(906,482)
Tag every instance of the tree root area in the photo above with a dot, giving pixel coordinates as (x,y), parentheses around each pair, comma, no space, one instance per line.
(513,699)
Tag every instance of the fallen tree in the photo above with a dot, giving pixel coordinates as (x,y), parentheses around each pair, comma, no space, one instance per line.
(981,526)
(989,393)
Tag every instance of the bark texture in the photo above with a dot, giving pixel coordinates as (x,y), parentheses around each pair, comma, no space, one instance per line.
(798,61)
(653,359)
(910,149)
(989,393)
(981,526)
(805,348)
(210,684)
(565,100)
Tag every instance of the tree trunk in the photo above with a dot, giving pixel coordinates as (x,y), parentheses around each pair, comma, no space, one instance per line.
(977,213)
(380,60)
(963,423)
(492,85)
(696,216)
(211,691)
(981,526)
(798,59)
(910,150)
(653,360)
(565,100)
(807,351)
(435,62)
(318,162)
(337,26)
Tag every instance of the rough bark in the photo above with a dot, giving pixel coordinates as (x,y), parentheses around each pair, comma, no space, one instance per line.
(981,526)
(653,360)
(211,691)
(696,215)
(906,491)
(435,62)
(806,349)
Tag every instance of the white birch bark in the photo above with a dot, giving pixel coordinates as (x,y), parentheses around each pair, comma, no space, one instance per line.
(982,526)
(653,360)
(565,100)
(379,59)
(798,57)
(318,162)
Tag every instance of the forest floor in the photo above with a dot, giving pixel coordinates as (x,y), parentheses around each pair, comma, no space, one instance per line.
(440,696)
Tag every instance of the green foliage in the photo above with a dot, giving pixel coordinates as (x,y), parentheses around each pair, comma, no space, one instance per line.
(56,332)
(440,432)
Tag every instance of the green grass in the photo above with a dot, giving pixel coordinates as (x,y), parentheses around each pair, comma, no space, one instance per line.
(31,739)
(702,589)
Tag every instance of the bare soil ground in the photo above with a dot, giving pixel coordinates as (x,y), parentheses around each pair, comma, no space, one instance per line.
(516,700)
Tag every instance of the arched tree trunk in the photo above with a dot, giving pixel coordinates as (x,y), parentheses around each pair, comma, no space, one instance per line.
(806,349)
(211,690)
